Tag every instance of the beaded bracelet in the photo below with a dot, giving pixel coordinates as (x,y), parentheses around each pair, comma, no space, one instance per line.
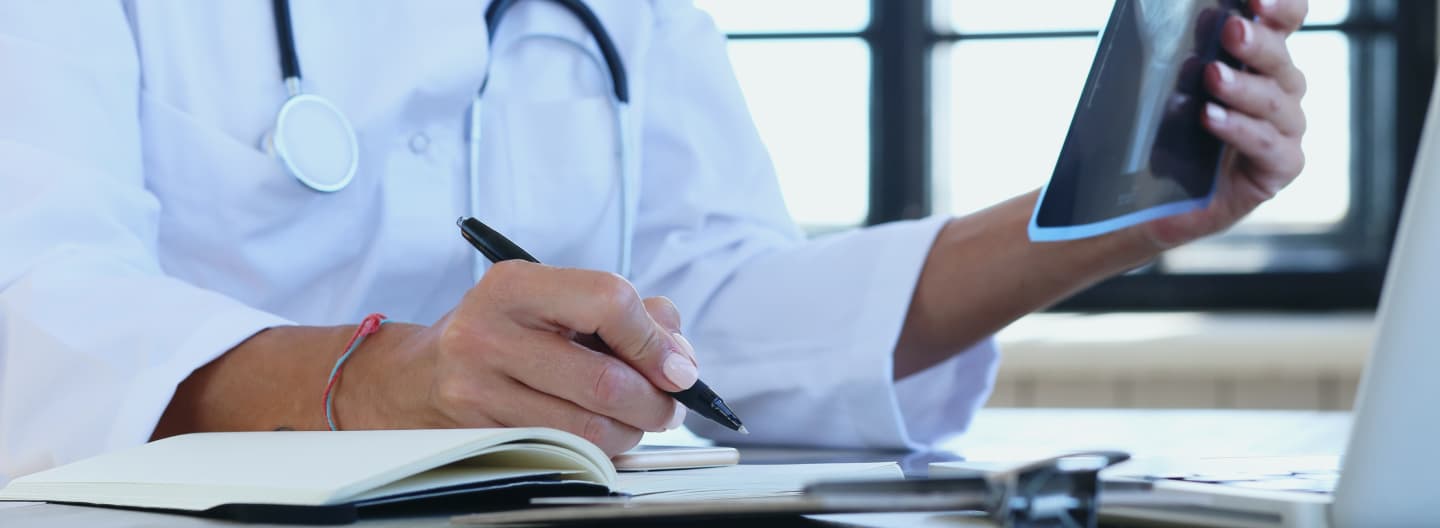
(369,326)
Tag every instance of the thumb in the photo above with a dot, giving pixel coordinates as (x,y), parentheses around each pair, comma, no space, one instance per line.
(663,311)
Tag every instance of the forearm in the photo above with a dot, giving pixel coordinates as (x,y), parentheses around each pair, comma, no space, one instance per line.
(275,379)
(983,273)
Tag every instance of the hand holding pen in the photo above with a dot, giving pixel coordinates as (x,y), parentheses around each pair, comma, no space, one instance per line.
(505,356)
(679,380)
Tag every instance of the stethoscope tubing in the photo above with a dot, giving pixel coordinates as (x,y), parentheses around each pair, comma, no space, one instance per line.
(494,15)
(285,41)
(620,82)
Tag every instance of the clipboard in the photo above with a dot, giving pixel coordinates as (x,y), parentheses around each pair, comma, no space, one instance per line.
(1059,491)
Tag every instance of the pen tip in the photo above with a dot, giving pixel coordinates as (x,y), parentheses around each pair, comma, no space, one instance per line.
(743,430)
(460,221)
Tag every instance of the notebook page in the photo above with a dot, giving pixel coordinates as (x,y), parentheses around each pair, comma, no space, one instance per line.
(745,481)
(200,471)
(503,462)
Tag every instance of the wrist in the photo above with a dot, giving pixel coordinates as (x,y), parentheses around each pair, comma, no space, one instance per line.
(1138,245)
(382,386)
(1162,234)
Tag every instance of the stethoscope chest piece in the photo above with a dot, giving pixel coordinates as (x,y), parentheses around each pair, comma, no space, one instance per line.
(315,143)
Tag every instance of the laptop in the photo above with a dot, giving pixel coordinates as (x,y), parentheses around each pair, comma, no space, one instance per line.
(1389,474)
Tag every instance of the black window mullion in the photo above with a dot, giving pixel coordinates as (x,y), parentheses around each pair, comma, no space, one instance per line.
(1374,168)
(899,37)
(1414,74)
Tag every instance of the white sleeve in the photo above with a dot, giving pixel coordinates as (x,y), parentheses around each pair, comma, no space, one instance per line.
(798,336)
(94,336)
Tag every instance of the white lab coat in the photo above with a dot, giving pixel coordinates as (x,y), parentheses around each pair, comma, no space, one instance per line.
(143,232)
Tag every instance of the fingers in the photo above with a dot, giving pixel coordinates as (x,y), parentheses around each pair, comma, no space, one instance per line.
(668,316)
(1257,96)
(1284,15)
(1263,49)
(525,407)
(1264,121)
(592,380)
(507,355)
(1278,158)
(588,302)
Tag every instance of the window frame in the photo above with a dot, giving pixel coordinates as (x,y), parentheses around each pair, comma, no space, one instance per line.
(1393,56)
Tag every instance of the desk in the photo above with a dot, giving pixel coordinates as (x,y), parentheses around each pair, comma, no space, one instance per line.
(996,434)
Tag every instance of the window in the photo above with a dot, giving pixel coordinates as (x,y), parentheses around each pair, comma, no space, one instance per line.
(826,168)
(995,136)
(964,103)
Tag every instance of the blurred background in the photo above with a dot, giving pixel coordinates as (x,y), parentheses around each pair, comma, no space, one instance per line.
(881,110)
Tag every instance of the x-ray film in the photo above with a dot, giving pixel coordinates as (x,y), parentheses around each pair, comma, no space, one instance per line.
(1137,149)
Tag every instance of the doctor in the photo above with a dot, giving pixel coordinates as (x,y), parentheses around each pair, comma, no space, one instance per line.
(164,269)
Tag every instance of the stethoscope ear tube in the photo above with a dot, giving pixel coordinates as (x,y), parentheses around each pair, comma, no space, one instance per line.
(626,162)
(317,145)
(285,41)
(629,182)
(620,82)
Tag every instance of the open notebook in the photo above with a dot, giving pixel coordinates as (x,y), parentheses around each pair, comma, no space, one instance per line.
(332,477)
(314,476)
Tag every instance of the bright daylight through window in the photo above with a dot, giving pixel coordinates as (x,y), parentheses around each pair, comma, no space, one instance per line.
(999,84)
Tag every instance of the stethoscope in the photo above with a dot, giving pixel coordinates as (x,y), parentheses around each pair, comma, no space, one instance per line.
(316,144)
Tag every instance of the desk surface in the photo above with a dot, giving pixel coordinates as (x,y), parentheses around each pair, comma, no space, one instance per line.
(997,434)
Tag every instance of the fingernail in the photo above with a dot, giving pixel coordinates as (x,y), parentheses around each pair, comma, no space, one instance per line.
(685,347)
(1216,113)
(1227,75)
(1265,5)
(1247,33)
(680,371)
(678,419)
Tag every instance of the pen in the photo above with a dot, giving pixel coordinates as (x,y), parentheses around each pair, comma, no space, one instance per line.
(497,248)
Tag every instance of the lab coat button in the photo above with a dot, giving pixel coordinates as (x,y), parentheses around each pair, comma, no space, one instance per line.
(419,143)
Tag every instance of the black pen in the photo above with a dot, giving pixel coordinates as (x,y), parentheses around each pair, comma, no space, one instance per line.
(497,248)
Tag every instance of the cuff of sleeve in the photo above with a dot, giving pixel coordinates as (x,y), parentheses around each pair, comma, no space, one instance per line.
(872,400)
(145,401)
(940,401)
